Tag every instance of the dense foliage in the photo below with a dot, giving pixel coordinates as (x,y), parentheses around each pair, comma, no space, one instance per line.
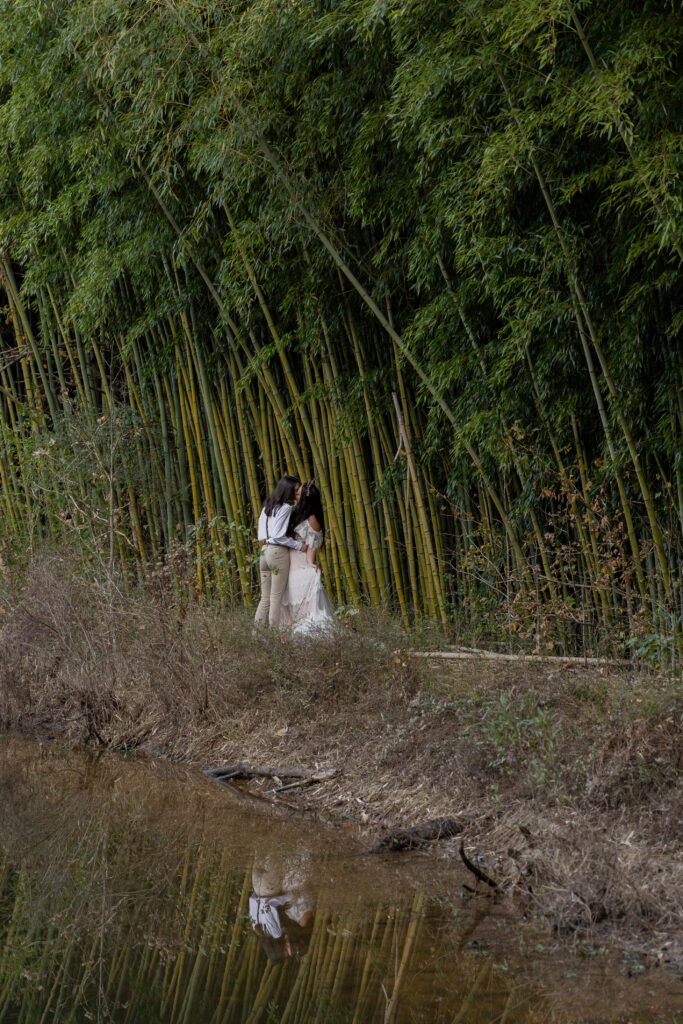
(428,252)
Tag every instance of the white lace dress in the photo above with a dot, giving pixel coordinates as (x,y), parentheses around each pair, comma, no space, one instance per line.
(305,604)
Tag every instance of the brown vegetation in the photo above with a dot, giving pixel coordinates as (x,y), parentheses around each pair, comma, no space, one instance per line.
(569,777)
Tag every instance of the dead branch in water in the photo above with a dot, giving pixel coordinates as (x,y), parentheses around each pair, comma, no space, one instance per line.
(413,838)
(477,872)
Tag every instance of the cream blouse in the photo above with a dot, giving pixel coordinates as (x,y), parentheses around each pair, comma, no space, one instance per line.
(314,538)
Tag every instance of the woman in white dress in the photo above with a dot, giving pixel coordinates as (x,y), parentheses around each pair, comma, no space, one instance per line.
(305,604)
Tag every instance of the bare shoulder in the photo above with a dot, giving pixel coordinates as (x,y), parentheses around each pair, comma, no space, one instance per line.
(314,524)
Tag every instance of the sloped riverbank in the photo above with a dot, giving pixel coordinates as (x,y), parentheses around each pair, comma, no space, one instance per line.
(567,778)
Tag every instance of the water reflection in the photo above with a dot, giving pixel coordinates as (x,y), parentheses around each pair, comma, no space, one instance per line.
(136,893)
(281,905)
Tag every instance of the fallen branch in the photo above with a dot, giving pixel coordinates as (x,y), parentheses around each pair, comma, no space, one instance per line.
(413,838)
(248,771)
(317,777)
(477,872)
(472,653)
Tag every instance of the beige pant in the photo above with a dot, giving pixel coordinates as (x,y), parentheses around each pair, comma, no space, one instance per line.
(274,567)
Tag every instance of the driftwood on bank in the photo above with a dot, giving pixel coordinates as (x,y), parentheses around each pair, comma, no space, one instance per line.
(299,783)
(248,771)
(413,838)
(243,772)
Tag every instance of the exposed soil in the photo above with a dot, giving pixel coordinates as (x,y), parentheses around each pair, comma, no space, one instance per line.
(567,778)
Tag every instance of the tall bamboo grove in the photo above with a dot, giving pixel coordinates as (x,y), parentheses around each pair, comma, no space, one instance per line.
(428,253)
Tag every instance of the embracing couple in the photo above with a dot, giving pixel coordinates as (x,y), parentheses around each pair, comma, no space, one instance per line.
(292,592)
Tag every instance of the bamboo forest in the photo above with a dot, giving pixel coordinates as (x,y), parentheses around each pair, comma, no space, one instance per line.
(426,253)
(341,511)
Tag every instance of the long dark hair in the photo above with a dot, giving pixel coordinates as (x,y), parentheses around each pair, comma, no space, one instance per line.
(309,504)
(284,492)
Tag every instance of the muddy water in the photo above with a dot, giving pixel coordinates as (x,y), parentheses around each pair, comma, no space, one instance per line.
(129,891)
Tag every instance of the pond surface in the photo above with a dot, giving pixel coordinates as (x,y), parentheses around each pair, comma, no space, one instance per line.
(129,891)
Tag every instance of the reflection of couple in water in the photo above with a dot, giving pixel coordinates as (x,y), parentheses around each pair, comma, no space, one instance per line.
(280,907)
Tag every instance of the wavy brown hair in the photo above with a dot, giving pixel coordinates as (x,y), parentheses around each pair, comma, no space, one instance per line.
(309,504)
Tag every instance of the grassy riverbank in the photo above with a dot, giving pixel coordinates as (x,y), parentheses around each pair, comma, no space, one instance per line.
(571,775)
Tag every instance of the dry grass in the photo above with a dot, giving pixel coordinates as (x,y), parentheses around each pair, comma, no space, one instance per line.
(102,659)
(572,775)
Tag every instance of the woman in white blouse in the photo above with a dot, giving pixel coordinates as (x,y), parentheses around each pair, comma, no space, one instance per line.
(273,525)
(305,604)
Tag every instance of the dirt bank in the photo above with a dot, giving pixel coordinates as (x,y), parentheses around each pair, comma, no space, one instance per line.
(568,777)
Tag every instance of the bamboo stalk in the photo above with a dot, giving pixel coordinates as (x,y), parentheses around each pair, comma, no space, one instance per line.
(481,976)
(416,918)
(432,568)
